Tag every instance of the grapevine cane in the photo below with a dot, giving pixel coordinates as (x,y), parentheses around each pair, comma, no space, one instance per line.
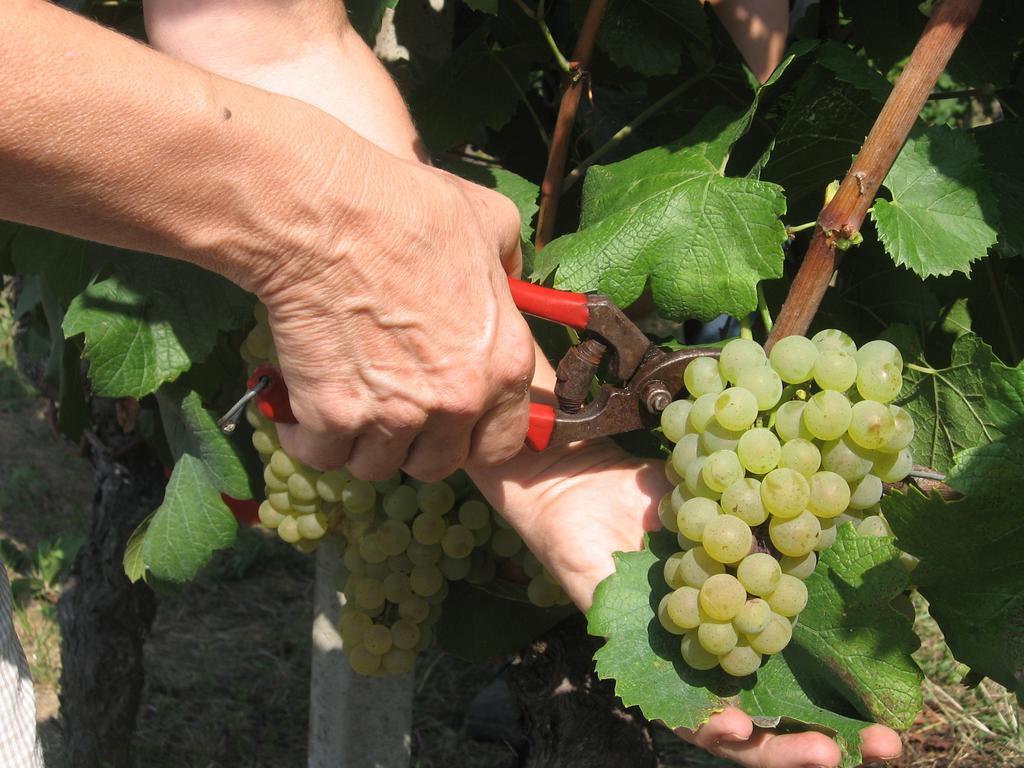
(841,218)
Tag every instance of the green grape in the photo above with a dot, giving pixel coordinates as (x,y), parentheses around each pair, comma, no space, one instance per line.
(288,530)
(458,541)
(401,503)
(358,495)
(721,597)
(701,377)
(829,530)
(270,517)
(800,455)
(398,661)
(666,514)
(474,515)
(793,358)
(753,617)
(738,355)
(303,507)
(721,470)
(353,625)
(784,492)
(384,487)
(759,573)
(683,607)
(697,566)
(827,415)
(312,527)
(741,660)
(405,634)
(680,496)
(423,554)
(426,580)
(265,441)
(378,570)
(377,639)
(354,563)
(394,537)
(718,438)
(429,527)
(774,637)
(903,430)
(694,655)
(866,493)
(685,544)
(684,452)
(455,569)
(694,481)
(437,498)
(674,419)
(835,370)
(482,535)
(801,567)
(498,520)
(702,413)
(369,593)
(871,424)
(875,525)
(830,495)
(789,598)
(506,543)
(789,421)
(396,587)
(665,620)
(673,477)
(272,481)
(717,637)
(893,467)
(795,536)
(880,381)
(743,500)
(542,591)
(283,464)
(694,515)
(280,501)
(302,486)
(736,408)
(759,451)
(832,340)
(256,419)
(879,351)
(531,565)
(414,608)
(362,661)
(671,572)
(727,539)
(846,459)
(329,485)
(764,383)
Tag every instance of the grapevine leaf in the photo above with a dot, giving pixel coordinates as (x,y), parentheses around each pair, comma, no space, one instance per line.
(134,564)
(973,581)
(73,416)
(66,263)
(942,216)
(497,77)
(148,323)
(498,627)
(192,430)
(1000,145)
(669,216)
(950,405)
(852,69)
(487,6)
(886,31)
(850,651)
(666,27)
(190,524)
(984,57)
(366,16)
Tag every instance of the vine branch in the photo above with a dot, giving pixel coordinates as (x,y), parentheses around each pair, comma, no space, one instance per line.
(551,187)
(840,219)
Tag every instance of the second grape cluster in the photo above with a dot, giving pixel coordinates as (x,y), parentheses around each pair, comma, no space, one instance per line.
(770,456)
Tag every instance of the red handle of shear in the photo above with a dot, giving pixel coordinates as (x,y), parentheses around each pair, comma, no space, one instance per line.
(563,307)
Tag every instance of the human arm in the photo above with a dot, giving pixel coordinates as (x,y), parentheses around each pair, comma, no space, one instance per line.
(290,203)
(758,28)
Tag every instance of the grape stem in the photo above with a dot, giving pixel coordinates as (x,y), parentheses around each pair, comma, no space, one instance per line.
(924,474)
(842,217)
(538,16)
(763,310)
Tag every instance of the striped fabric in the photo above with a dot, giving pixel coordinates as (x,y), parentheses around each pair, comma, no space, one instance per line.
(19,747)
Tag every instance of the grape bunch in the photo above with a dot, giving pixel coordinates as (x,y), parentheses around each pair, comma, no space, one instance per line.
(770,456)
(401,541)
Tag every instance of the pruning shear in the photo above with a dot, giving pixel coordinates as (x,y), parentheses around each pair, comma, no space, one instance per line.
(648,377)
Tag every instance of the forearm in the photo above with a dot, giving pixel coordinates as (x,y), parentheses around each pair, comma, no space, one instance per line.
(105,139)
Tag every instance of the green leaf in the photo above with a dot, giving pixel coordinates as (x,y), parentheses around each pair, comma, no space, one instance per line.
(851,68)
(972,564)
(66,263)
(850,650)
(951,404)
(147,324)
(886,31)
(943,214)
(1001,155)
(985,55)
(496,77)
(668,216)
(190,524)
(73,416)
(477,625)
(191,430)
(367,15)
(134,564)
(487,6)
